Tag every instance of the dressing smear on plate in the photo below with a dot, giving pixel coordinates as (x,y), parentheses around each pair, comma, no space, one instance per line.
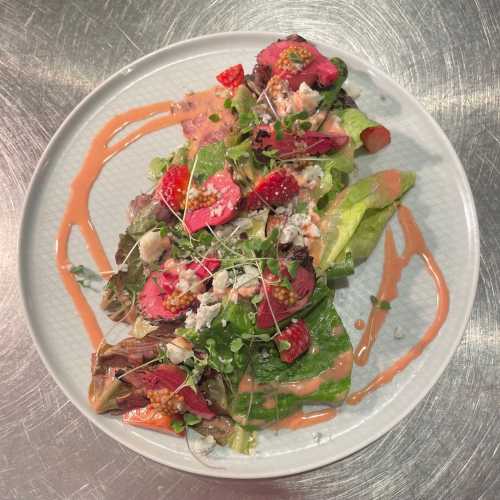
(227,270)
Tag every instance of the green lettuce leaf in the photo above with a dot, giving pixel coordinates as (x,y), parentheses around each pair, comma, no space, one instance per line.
(354,122)
(368,233)
(267,368)
(344,214)
(209,160)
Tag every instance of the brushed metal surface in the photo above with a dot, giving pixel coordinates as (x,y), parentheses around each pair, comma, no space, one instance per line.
(446,53)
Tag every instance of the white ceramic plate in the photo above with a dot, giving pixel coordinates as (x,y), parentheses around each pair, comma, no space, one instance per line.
(441,201)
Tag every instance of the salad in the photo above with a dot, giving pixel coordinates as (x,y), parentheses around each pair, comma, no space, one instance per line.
(228,267)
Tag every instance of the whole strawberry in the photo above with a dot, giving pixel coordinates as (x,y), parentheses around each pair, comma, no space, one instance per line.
(293,341)
(276,188)
(173,187)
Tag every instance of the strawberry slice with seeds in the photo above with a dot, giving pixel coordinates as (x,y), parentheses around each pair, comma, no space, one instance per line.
(276,188)
(232,77)
(293,341)
(207,266)
(375,138)
(173,186)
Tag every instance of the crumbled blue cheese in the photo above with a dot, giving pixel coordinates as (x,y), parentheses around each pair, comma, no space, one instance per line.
(310,176)
(207,311)
(249,278)
(305,99)
(220,281)
(152,245)
(178,354)
(299,230)
(188,281)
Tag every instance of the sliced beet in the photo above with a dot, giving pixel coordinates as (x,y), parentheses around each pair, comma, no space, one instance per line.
(309,144)
(171,377)
(223,210)
(319,71)
(302,285)
(158,286)
(207,264)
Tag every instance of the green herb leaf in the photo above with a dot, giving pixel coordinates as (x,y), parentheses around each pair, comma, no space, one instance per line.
(302,207)
(293,266)
(236,345)
(157,167)
(284,345)
(305,125)
(190,419)
(85,276)
(285,282)
(384,305)
(270,153)
(228,103)
(278,129)
(209,160)
(214,117)
(256,299)
(341,269)
(274,266)
(178,426)
(295,58)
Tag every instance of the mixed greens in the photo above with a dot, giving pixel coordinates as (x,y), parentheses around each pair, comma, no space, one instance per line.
(227,270)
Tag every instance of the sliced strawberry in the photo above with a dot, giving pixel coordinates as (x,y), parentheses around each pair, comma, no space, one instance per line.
(232,77)
(315,69)
(293,341)
(223,210)
(173,187)
(308,144)
(208,265)
(276,188)
(150,418)
(375,138)
(171,377)
(272,308)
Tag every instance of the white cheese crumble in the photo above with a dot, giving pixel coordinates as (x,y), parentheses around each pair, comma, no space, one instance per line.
(310,176)
(178,354)
(248,279)
(305,99)
(208,310)
(299,230)
(188,281)
(152,245)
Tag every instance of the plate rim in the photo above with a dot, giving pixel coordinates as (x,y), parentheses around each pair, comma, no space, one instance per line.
(42,165)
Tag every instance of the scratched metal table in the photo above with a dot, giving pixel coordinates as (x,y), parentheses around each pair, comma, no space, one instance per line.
(446,53)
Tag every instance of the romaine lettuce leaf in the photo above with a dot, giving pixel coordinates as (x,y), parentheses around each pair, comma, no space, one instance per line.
(344,214)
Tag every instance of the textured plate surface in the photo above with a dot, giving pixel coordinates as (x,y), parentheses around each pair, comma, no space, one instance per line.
(441,202)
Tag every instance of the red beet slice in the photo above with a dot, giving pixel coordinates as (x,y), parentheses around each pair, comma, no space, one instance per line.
(157,287)
(375,138)
(319,70)
(208,264)
(171,377)
(223,210)
(308,144)
(302,285)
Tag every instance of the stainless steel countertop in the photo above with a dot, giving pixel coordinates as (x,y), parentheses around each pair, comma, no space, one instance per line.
(445,52)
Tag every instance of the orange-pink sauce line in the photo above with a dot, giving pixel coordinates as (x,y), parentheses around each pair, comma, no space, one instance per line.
(302,419)
(393,267)
(100,152)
